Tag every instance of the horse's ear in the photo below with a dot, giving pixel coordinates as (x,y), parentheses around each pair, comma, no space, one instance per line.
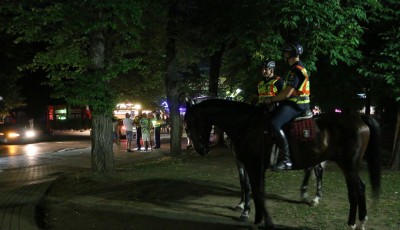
(188,103)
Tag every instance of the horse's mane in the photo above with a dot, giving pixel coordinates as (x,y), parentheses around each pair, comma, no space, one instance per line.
(234,110)
(238,107)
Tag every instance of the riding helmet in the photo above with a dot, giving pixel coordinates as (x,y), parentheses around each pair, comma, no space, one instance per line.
(293,48)
(268,64)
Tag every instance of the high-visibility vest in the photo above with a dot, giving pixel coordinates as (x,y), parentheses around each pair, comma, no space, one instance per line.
(156,122)
(267,89)
(301,95)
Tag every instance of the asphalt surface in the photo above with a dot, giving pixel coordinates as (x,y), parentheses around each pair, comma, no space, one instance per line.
(27,171)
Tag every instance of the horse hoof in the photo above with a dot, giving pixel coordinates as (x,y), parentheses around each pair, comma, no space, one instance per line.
(314,203)
(351,227)
(243,218)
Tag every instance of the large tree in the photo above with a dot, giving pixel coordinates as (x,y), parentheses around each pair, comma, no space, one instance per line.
(88,43)
(12,56)
(381,62)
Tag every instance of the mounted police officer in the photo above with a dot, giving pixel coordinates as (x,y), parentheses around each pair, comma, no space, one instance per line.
(269,86)
(294,100)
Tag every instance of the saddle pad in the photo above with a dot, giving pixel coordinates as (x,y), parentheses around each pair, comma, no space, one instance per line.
(302,131)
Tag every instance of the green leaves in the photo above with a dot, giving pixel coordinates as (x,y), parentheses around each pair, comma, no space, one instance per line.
(69,28)
(382,62)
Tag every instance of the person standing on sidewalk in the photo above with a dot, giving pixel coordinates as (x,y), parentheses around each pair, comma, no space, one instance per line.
(128,122)
(146,124)
(157,122)
(138,130)
(115,130)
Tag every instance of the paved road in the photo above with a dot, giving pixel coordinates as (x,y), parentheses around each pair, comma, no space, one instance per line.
(41,152)
(27,170)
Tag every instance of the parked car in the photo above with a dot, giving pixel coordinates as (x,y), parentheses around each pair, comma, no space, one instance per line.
(14,133)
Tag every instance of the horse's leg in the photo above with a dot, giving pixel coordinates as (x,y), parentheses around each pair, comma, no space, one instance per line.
(352,187)
(362,207)
(241,171)
(318,170)
(246,193)
(304,185)
(256,176)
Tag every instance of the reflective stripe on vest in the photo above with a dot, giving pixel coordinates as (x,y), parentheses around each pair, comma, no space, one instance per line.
(301,96)
(271,91)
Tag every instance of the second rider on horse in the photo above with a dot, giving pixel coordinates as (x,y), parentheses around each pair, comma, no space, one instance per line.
(294,100)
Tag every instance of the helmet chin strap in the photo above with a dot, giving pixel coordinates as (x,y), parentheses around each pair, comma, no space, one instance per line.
(287,59)
(271,74)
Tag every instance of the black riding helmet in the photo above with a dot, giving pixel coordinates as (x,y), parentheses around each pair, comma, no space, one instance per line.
(268,64)
(293,48)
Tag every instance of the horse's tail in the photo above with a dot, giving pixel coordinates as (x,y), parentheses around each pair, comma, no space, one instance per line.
(373,155)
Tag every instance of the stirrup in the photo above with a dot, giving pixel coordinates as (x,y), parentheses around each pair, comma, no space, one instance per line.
(283,165)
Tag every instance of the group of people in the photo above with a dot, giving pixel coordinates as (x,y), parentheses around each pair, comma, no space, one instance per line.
(284,99)
(289,98)
(144,123)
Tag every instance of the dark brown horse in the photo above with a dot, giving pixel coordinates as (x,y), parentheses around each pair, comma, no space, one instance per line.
(245,202)
(344,139)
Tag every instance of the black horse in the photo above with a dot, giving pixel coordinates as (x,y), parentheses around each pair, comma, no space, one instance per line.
(344,139)
(244,203)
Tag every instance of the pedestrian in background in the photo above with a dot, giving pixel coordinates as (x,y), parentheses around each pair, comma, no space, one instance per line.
(146,125)
(115,130)
(157,122)
(138,130)
(128,123)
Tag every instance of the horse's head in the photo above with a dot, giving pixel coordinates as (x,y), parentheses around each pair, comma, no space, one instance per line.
(198,129)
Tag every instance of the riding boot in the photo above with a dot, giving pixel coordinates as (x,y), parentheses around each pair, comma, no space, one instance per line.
(283,145)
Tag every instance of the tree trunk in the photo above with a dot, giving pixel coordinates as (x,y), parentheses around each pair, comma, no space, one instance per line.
(215,66)
(102,154)
(172,81)
(102,150)
(395,161)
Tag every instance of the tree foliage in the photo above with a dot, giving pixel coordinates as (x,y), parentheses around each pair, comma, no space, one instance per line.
(68,29)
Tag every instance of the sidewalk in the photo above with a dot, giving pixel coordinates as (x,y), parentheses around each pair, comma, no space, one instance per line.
(22,191)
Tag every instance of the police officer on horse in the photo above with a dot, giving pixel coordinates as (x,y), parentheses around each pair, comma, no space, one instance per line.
(294,100)
(269,86)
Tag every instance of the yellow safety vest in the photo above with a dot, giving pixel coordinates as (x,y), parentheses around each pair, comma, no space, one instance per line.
(267,89)
(302,94)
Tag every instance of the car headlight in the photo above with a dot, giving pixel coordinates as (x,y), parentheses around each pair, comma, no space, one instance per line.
(13,135)
(30,133)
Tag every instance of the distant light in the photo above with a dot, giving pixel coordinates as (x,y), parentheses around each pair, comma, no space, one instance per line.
(338,111)
(1,98)
(61,111)
(238,91)
(30,133)
(13,135)
(362,95)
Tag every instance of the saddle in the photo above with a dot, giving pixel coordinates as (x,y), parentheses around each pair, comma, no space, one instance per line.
(301,128)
